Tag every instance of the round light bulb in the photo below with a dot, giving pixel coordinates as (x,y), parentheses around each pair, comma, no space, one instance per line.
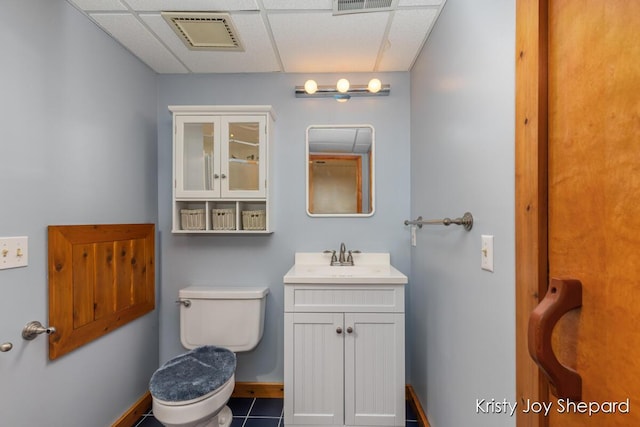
(374,85)
(343,85)
(310,86)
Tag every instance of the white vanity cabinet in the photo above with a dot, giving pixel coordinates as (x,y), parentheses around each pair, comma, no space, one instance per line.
(344,355)
(221,158)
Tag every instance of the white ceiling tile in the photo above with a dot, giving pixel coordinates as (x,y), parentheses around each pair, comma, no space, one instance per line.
(298,4)
(320,42)
(419,3)
(258,56)
(406,37)
(307,37)
(189,5)
(99,4)
(126,28)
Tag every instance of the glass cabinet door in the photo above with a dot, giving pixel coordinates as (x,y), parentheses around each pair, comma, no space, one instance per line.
(197,155)
(243,156)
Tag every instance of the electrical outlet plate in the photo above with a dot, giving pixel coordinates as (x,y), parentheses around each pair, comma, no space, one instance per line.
(14,252)
(487,253)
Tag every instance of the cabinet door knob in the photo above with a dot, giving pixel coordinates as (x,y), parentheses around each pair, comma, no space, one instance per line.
(339,330)
(349,330)
(223,176)
(216,176)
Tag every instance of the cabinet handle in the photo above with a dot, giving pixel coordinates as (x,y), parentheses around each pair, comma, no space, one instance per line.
(223,176)
(339,330)
(216,176)
(349,330)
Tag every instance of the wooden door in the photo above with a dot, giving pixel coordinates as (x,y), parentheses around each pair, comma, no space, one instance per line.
(578,201)
(335,184)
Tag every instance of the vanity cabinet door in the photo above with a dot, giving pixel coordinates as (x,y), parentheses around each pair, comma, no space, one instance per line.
(374,369)
(313,374)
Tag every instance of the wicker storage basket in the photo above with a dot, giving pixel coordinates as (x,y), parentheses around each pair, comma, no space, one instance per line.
(192,219)
(223,219)
(253,220)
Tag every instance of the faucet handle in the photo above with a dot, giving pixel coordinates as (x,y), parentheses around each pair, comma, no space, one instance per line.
(334,258)
(350,256)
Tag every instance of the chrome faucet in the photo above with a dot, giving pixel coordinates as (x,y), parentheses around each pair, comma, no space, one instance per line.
(345,258)
(341,258)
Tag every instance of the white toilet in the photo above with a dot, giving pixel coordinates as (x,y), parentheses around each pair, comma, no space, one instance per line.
(192,390)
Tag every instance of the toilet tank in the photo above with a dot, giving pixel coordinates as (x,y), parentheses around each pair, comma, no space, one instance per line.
(227,317)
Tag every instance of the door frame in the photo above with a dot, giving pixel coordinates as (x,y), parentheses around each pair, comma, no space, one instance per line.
(531,210)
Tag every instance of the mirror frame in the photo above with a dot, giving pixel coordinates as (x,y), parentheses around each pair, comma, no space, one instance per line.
(372,174)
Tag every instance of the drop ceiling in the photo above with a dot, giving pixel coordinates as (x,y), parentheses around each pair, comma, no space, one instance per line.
(293,36)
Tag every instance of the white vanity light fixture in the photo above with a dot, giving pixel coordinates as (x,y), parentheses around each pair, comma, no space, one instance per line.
(343,90)
(343,85)
(374,85)
(310,86)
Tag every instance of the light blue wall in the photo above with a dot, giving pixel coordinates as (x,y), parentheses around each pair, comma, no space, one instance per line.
(87,139)
(78,146)
(263,260)
(462,159)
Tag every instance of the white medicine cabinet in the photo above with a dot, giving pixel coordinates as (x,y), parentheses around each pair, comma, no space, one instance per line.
(221,169)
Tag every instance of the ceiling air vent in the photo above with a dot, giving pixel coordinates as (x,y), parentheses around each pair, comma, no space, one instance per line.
(204,30)
(341,7)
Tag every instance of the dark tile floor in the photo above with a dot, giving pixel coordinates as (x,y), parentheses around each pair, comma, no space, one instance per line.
(250,412)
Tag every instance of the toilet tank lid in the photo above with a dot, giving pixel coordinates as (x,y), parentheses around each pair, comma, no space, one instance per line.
(213,292)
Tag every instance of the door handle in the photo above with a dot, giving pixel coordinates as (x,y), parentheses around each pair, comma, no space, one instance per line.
(562,296)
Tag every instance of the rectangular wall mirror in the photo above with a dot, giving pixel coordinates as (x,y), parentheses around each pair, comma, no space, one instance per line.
(340,172)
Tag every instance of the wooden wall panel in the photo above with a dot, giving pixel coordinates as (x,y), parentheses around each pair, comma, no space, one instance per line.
(83,265)
(123,274)
(100,278)
(105,281)
(138,271)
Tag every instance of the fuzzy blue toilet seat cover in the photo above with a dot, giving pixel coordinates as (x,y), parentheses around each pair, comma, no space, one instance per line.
(193,374)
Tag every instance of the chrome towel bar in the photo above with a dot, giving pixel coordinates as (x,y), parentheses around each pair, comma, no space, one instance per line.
(466,221)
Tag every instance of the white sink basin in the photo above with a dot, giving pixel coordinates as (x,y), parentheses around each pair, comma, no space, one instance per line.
(368,268)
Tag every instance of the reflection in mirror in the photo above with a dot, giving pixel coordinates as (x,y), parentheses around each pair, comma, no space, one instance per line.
(340,173)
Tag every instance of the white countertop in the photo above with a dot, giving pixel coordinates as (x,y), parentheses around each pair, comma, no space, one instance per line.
(368,268)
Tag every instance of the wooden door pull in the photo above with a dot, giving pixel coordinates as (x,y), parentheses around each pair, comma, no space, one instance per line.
(563,295)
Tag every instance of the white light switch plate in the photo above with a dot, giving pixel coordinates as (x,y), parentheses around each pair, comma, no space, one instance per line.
(14,252)
(487,253)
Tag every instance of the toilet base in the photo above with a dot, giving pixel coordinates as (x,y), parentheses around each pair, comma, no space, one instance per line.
(223,419)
